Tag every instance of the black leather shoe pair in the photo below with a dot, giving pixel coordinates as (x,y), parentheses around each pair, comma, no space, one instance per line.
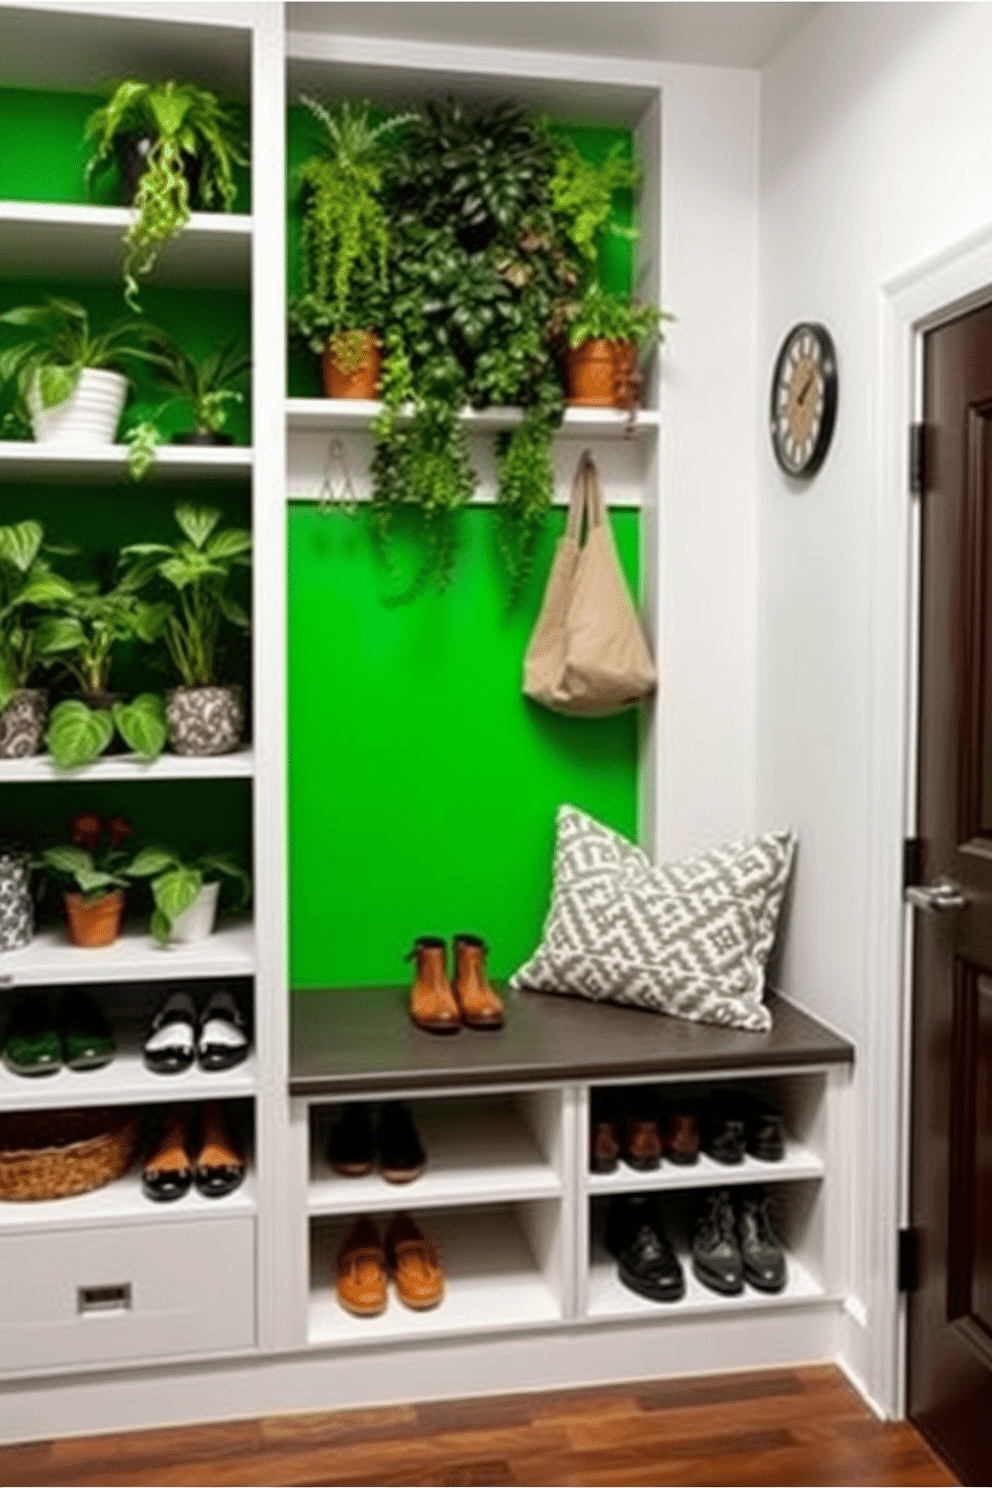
(216,1037)
(646,1262)
(737,1122)
(729,1248)
(193,1148)
(355,1144)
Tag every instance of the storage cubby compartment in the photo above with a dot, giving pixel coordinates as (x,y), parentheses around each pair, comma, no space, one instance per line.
(797,1214)
(505,1267)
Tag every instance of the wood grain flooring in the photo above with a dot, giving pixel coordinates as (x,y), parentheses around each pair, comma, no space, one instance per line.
(780,1426)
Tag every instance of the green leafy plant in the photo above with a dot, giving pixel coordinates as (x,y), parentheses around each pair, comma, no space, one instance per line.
(82,634)
(524,494)
(600,315)
(175,883)
(28,587)
(57,344)
(197,570)
(94,869)
(582,194)
(79,733)
(175,122)
(208,387)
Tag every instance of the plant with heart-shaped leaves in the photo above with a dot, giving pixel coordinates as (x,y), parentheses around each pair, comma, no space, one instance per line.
(175,882)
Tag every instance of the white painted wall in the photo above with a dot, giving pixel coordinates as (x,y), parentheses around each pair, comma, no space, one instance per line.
(876,152)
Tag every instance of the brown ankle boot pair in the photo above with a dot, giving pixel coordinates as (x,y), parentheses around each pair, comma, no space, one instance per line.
(440,1006)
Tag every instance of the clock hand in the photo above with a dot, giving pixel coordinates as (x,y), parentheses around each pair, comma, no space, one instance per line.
(806,388)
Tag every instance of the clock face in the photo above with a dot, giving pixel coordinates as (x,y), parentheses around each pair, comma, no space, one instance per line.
(804,399)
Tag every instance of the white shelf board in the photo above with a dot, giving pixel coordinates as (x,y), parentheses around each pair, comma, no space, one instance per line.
(609,1298)
(487,1158)
(26,461)
(38,768)
(51,960)
(124,1203)
(799,1162)
(61,241)
(492,1284)
(335,415)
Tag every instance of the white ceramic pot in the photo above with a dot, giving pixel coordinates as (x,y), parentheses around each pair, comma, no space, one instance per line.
(89,416)
(197,922)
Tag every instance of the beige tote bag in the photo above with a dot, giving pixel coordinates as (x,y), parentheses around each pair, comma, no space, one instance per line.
(588,655)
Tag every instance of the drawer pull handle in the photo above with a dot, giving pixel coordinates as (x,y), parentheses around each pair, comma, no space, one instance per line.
(104,1298)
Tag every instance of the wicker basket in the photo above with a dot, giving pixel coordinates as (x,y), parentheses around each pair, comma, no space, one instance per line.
(53,1154)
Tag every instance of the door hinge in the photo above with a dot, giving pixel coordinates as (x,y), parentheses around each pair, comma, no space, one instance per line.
(908,1262)
(912,862)
(917,458)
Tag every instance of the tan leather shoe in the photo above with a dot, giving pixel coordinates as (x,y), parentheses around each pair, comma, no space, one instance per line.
(432,1003)
(415,1264)
(361,1278)
(479,1005)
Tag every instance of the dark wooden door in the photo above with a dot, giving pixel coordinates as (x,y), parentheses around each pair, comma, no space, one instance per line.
(950,1309)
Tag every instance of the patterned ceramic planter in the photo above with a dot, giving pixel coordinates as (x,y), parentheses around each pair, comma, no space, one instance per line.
(89,416)
(16,907)
(197,922)
(204,720)
(22,723)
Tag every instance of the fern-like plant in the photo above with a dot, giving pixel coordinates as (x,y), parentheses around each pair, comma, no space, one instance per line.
(582,194)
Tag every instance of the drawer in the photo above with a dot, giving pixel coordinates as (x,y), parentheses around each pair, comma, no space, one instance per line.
(101,1295)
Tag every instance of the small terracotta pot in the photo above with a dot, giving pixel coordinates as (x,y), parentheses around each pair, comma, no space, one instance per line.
(93,925)
(600,373)
(362,383)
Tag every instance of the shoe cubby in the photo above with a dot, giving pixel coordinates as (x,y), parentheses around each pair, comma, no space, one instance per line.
(505,1267)
(507,1146)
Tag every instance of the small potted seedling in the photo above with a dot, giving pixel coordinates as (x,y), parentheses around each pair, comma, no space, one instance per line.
(95,861)
(186,893)
(606,336)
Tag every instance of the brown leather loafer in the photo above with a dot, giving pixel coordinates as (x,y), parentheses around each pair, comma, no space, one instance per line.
(360,1279)
(414,1262)
(682,1135)
(480,1007)
(432,1002)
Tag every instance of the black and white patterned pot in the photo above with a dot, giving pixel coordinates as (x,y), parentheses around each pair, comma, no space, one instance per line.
(22,723)
(204,720)
(16,908)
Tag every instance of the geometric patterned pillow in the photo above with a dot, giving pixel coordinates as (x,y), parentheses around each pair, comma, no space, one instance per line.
(688,938)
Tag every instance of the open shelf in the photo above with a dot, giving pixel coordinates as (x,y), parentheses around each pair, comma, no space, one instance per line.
(799,1162)
(609,1298)
(124,1203)
(50,959)
(492,1283)
(52,240)
(477,1152)
(336,415)
(25,461)
(38,768)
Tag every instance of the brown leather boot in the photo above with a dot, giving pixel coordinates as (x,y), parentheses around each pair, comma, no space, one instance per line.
(432,1003)
(480,1007)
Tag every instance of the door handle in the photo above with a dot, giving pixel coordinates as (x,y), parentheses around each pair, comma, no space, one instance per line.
(937,897)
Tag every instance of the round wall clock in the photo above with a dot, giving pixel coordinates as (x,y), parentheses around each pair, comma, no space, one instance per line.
(804,399)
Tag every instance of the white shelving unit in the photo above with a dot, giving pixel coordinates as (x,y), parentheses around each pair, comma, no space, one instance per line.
(108,464)
(38,769)
(50,960)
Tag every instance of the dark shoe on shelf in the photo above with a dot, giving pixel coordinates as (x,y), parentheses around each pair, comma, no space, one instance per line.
(716,1255)
(220,1163)
(401,1153)
(477,1002)
(604,1134)
(724,1127)
(432,1002)
(222,1034)
(761,1249)
(168,1173)
(414,1263)
(351,1146)
(765,1130)
(681,1134)
(360,1272)
(87,1042)
(32,1045)
(170,1044)
(646,1262)
(641,1137)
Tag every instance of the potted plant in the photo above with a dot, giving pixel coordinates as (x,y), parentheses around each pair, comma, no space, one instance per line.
(207,387)
(186,893)
(203,717)
(93,909)
(344,246)
(176,146)
(70,382)
(27,585)
(606,335)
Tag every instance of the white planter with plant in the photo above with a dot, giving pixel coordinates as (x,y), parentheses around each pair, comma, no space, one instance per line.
(186,894)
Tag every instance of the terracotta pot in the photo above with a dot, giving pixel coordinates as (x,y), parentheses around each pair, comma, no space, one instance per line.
(93,925)
(22,723)
(362,383)
(600,374)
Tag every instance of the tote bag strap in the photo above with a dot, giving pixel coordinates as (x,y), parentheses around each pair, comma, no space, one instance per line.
(585,509)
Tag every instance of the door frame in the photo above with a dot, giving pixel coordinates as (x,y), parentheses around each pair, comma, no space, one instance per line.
(913,301)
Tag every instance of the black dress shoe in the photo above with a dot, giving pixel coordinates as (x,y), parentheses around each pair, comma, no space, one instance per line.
(219,1166)
(716,1255)
(170,1044)
(761,1249)
(351,1147)
(222,1036)
(725,1129)
(168,1173)
(765,1132)
(401,1153)
(646,1262)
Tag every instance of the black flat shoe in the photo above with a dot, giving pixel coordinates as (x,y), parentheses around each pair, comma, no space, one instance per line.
(724,1129)
(170,1044)
(222,1037)
(168,1173)
(716,1255)
(401,1153)
(351,1146)
(31,1044)
(646,1262)
(220,1164)
(761,1249)
(87,1042)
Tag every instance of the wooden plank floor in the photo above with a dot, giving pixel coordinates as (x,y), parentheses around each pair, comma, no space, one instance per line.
(782,1426)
